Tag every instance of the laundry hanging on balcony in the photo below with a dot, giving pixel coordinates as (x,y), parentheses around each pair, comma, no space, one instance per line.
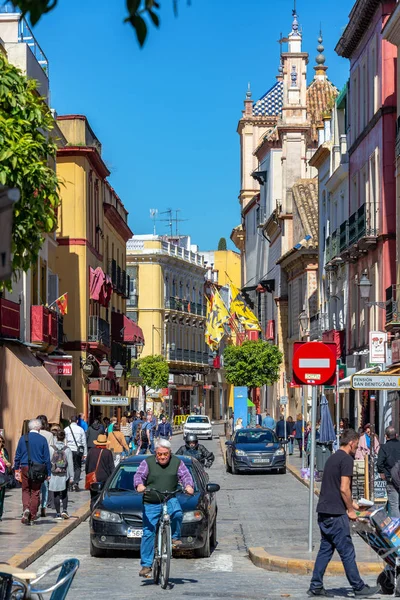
(100,286)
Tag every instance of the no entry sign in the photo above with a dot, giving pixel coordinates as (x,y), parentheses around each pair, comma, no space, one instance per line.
(314,363)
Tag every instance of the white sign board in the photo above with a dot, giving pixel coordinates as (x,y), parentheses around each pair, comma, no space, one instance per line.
(109,400)
(375,382)
(284,400)
(377,346)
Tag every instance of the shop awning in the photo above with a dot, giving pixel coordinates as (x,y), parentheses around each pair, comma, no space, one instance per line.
(344,384)
(132,332)
(26,390)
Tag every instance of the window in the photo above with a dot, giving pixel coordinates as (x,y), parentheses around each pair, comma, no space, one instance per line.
(373,196)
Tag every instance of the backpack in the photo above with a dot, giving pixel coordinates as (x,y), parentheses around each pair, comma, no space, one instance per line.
(59,463)
(143,436)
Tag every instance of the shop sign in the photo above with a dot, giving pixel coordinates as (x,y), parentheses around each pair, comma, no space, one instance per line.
(375,382)
(395,351)
(377,347)
(63,365)
(109,400)
(284,400)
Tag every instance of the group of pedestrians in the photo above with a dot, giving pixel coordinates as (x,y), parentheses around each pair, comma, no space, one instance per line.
(291,430)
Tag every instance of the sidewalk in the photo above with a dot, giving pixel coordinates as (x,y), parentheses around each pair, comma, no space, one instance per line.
(20,543)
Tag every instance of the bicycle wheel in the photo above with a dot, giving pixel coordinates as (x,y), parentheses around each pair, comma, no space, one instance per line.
(165,554)
(156,561)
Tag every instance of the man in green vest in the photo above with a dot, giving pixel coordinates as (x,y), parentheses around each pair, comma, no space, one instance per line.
(164,472)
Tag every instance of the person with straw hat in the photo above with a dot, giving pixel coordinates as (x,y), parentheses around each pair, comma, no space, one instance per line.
(101,461)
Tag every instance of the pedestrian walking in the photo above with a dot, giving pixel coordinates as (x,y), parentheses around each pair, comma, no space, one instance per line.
(116,442)
(44,490)
(164,429)
(142,439)
(268,422)
(99,461)
(93,432)
(82,422)
(280,429)
(5,460)
(112,422)
(388,456)
(32,457)
(126,430)
(76,441)
(151,426)
(366,440)
(62,474)
(335,510)
(298,432)
(289,433)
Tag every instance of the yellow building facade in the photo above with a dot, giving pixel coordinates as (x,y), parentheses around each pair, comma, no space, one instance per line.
(91,258)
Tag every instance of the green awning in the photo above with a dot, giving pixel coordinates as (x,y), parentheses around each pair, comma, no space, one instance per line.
(250,403)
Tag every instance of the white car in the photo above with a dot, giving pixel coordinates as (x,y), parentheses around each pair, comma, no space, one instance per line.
(200,425)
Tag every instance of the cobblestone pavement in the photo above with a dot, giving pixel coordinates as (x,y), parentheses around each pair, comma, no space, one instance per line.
(253,511)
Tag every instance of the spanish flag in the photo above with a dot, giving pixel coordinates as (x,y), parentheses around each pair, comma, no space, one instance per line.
(62,304)
(244,315)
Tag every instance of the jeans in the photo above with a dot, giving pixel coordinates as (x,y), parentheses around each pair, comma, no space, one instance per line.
(77,461)
(290,445)
(393,501)
(44,494)
(58,497)
(151,516)
(143,450)
(30,493)
(335,534)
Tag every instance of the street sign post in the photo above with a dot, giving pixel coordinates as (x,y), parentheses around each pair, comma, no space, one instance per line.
(314,363)
(375,381)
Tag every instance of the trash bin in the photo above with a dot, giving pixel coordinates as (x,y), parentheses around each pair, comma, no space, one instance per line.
(322,452)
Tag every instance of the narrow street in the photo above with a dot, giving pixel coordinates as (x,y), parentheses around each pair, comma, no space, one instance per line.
(228,573)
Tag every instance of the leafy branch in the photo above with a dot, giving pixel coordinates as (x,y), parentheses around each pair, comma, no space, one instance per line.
(140,13)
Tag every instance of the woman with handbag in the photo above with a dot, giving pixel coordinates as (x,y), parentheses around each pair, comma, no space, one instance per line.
(4,463)
(117,443)
(99,465)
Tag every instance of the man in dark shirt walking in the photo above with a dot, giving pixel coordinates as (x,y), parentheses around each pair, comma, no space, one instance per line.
(335,511)
(388,456)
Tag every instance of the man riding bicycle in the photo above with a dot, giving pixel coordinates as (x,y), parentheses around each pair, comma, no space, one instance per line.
(162,472)
(196,450)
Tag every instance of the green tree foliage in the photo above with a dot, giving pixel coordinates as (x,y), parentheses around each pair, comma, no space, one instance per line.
(154,371)
(253,364)
(25,151)
(222,244)
(140,13)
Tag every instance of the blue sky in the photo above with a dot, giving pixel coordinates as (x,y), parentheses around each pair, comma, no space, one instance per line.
(166,115)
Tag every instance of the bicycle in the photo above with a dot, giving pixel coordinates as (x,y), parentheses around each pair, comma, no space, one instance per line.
(163,541)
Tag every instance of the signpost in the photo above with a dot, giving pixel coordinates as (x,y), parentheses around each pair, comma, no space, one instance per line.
(314,363)
(109,400)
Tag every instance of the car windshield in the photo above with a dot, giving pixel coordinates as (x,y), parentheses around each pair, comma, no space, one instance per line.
(123,478)
(255,437)
(197,420)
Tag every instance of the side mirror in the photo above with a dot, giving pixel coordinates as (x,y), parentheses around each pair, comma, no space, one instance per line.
(97,487)
(228,443)
(213,487)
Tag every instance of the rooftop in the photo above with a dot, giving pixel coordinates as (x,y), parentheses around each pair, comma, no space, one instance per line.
(271,103)
(157,244)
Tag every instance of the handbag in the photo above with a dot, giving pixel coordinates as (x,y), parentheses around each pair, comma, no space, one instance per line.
(92,476)
(36,471)
(80,449)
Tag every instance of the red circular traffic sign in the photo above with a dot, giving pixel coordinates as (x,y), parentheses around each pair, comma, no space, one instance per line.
(314,363)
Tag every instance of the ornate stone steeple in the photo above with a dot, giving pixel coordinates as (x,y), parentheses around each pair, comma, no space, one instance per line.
(320,68)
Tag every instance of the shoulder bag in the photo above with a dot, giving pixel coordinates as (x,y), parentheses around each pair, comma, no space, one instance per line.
(92,476)
(36,471)
(80,449)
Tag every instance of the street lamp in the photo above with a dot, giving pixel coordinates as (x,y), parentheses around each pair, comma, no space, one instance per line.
(119,370)
(139,348)
(365,286)
(104,367)
(303,320)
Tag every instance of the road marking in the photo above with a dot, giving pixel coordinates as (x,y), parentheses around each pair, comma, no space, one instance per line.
(216,563)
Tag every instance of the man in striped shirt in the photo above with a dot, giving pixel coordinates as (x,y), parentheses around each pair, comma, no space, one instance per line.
(162,472)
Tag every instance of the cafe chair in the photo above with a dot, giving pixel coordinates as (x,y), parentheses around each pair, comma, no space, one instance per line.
(11,589)
(60,589)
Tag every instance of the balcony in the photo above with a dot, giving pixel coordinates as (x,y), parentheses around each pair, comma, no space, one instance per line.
(178,304)
(357,234)
(119,279)
(99,331)
(9,319)
(46,327)
(192,356)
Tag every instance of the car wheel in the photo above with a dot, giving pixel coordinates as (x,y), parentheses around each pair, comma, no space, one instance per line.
(211,437)
(234,470)
(213,540)
(205,551)
(96,552)
(282,471)
(227,467)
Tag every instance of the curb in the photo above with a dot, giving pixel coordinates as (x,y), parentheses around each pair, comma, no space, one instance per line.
(296,473)
(222,445)
(269,562)
(46,541)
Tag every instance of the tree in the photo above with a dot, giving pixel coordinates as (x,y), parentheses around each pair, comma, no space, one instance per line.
(222,244)
(154,371)
(140,12)
(26,149)
(253,364)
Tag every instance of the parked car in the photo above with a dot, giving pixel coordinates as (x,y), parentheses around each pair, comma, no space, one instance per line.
(255,450)
(116,521)
(200,425)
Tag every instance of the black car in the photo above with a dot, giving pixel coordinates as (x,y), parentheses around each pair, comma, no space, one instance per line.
(116,521)
(255,450)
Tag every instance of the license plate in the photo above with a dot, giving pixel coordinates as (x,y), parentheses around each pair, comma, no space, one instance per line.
(265,461)
(134,533)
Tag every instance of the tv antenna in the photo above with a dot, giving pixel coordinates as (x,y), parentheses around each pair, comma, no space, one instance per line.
(173,220)
(153,216)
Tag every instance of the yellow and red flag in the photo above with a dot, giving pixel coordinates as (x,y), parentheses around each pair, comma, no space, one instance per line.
(244,315)
(62,304)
